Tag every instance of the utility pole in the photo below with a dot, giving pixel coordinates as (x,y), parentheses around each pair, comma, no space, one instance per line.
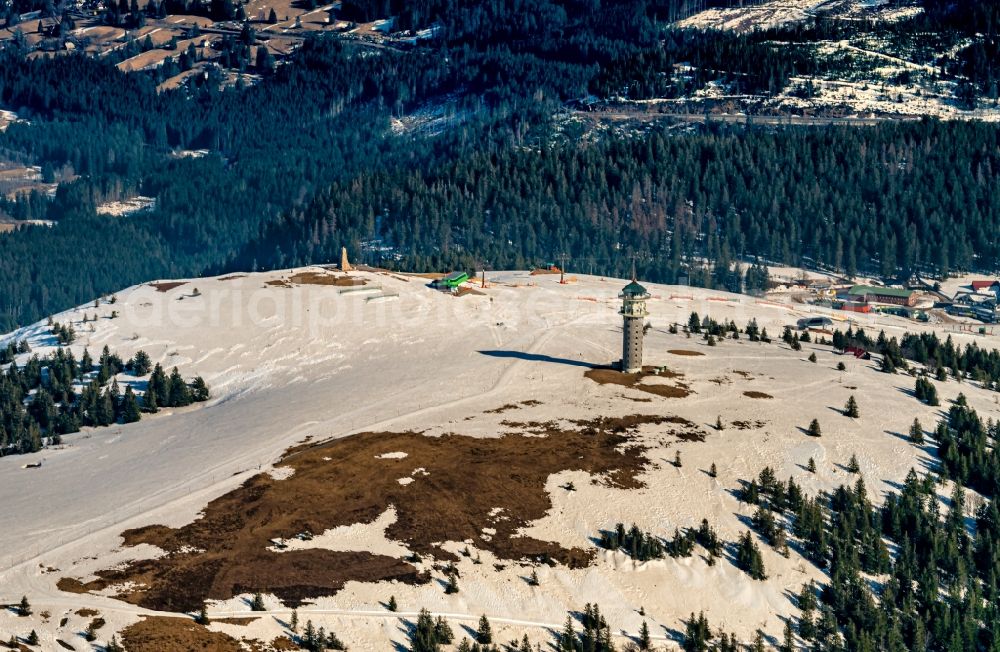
(482,265)
(562,268)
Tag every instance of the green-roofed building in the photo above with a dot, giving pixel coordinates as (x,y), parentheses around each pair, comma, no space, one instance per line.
(452,281)
(875,294)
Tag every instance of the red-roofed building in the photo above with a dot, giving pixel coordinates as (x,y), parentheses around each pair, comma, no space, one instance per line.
(978,286)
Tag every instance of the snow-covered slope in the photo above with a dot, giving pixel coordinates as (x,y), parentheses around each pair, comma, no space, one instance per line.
(288,361)
(763,16)
(869,72)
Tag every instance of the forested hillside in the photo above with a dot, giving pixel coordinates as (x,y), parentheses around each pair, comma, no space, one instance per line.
(303,161)
(896,197)
(272,145)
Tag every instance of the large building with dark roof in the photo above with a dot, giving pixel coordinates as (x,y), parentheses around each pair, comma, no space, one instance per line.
(875,294)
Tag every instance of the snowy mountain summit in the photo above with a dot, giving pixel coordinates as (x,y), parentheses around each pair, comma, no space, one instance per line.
(374,446)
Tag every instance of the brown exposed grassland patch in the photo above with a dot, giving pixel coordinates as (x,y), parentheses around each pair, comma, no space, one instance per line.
(72,585)
(316,278)
(164,634)
(236,621)
(755,394)
(225,552)
(608,376)
(168,286)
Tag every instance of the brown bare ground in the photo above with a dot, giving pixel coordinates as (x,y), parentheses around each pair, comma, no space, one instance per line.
(747,425)
(164,634)
(343,482)
(237,621)
(183,20)
(465,289)
(536,428)
(684,352)
(688,431)
(513,406)
(502,409)
(101,34)
(86,613)
(72,585)
(146,59)
(257,8)
(315,278)
(666,391)
(178,79)
(755,394)
(168,286)
(608,376)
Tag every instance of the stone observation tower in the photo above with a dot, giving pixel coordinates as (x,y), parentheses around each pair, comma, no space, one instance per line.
(633,313)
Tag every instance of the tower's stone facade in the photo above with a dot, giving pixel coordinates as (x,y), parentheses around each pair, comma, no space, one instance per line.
(633,314)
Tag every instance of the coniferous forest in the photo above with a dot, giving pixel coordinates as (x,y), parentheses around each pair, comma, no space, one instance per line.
(47,397)
(938,588)
(303,161)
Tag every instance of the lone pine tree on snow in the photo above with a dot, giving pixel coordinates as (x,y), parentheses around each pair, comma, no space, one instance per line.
(851,408)
(645,640)
(484,633)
